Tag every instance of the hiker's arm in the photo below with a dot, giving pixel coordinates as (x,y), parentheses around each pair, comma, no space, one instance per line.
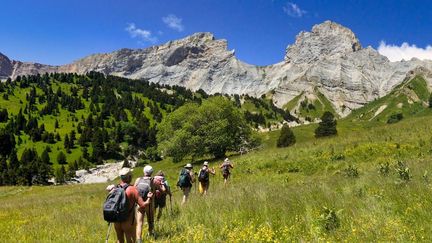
(143,204)
(212,171)
(136,182)
(162,187)
(192,176)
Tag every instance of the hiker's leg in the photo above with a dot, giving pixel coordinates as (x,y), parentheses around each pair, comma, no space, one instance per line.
(130,230)
(119,232)
(186,191)
(150,218)
(206,186)
(139,224)
(159,213)
(184,196)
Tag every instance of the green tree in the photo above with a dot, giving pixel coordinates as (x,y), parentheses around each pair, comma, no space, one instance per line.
(7,143)
(214,127)
(61,158)
(327,126)
(286,137)
(67,143)
(98,147)
(430,101)
(60,175)
(45,156)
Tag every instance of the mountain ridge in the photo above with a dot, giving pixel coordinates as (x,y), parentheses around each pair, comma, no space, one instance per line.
(330,58)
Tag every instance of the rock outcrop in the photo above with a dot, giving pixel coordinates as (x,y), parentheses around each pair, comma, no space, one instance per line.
(330,59)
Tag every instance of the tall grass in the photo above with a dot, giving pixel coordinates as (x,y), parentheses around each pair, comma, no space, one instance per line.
(300,193)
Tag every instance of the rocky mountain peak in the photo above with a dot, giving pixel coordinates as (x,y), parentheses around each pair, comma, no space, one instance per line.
(5,66)
(327,39)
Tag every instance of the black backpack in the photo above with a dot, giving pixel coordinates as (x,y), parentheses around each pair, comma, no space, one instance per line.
(116,206)
(144,186)
(203,176)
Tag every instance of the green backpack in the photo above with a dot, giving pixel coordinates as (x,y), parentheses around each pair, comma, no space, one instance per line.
(184,179)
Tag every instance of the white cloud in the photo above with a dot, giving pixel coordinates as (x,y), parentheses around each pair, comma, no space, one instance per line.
(293,10)
(173,22)
(144,35)
(405,51)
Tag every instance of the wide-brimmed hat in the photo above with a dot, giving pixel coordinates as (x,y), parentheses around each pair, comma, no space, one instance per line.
(226,160)
(188,166)
(125,171)
(206,163)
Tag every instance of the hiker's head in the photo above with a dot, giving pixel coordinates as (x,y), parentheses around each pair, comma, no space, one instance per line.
(188,166)
(160,173)
(206,163)
(226,160)
(125,175)
(148,170)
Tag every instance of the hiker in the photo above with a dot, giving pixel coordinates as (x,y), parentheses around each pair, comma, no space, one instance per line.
(226,166)
(185,181)
(126,228)
(204,178)
(144,186)
(161,193)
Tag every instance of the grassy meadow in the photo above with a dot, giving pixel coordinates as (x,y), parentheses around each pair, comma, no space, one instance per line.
(345,188)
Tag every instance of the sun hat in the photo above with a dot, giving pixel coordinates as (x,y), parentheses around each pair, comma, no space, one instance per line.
(206,163)
(148,170)
(125,171)
(226,160)
(188,166)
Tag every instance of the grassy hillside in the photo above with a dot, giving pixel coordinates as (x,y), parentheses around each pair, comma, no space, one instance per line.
(309,106)
(409,99)
(333,189)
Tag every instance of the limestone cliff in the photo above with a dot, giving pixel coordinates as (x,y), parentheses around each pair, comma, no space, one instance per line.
(329,59)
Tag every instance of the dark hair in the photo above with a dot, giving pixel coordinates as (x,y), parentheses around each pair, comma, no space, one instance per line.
(126,178)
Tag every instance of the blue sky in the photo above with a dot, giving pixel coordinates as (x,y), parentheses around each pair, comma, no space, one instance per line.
(58,32)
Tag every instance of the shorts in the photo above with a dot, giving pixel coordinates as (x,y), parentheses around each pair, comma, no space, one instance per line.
(186,191)
(160,202)
(204,186)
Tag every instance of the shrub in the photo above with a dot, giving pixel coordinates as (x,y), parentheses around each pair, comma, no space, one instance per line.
(384,169)
(328,220)
(351,171)
(403,171)
(395,118)
(286,137)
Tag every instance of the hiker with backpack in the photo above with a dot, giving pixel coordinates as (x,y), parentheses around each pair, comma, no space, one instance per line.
(226,166)
(119,207)
(185,181)
(161,193)
(145,186)
(204,178)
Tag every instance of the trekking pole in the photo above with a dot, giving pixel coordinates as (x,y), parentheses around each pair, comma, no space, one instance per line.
(171,205)
(108,233)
